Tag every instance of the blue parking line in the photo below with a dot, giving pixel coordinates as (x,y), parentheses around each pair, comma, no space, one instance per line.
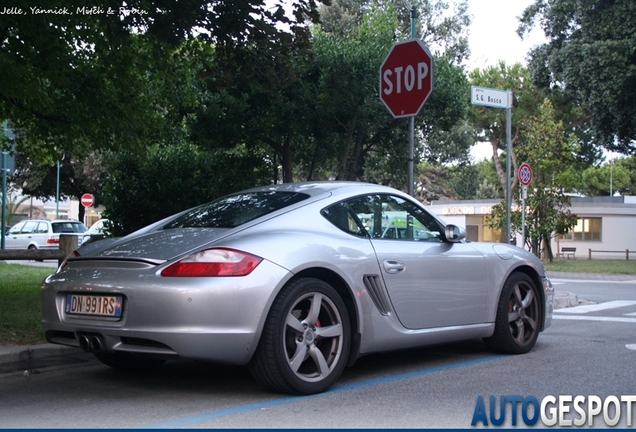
(190,420)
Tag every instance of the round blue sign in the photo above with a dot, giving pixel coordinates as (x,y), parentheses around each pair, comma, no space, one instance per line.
(525,174)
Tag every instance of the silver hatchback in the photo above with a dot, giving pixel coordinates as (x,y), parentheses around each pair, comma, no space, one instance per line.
(42,233)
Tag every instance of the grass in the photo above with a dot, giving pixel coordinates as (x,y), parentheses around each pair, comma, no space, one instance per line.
(20,312)
(606,266)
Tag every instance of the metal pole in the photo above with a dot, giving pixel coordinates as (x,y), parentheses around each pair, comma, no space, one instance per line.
(4,195)
(57,193)
(508,164)
(411,181)
(524,195)
(4,190)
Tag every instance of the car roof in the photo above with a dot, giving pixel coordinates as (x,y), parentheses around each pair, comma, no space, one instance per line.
(316,188)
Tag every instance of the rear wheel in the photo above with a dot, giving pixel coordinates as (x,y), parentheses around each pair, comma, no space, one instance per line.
(518,319)
(305,341)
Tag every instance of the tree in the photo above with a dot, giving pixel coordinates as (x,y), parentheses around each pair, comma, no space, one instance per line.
(12,203)
(144,187)
(550,153)
(80,76)
(615,176)
(443,26)
(591,56)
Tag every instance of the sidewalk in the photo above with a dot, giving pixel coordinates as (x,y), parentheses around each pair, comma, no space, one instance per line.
(33,359)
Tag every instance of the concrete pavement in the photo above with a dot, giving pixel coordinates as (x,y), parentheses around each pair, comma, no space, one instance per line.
(34,359)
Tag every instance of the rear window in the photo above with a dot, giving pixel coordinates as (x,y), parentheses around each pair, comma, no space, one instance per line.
(68,227)
(235,210)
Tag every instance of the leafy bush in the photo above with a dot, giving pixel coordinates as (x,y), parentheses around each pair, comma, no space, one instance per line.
(143,188)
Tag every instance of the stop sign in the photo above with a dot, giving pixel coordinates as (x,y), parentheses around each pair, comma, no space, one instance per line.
(406,78)
(87,200)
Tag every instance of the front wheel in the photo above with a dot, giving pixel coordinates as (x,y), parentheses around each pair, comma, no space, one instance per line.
(518,319)
(305,341)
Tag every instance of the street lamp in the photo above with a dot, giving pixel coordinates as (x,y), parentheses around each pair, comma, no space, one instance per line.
(57,189)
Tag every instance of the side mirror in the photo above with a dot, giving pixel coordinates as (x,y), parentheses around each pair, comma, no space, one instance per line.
(454,233)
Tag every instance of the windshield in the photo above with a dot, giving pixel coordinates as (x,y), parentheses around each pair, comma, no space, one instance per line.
(235,210)
(68,227)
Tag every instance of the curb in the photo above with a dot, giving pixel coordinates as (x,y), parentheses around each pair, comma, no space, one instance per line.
(564,299)
(553,275)
(33,359)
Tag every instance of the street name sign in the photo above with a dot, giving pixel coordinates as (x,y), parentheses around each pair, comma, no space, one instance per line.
(489,97)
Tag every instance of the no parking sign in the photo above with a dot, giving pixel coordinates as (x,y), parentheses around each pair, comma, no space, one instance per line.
(525,174)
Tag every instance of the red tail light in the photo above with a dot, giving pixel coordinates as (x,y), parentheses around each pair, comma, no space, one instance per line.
(214,262)
(53,240)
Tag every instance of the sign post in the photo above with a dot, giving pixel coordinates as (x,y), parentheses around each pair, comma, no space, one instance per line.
(525,177)
(7,166)
(406,81)
(499,99)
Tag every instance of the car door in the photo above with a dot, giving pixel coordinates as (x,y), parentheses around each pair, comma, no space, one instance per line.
(23,239)
(431,283)
(11,239)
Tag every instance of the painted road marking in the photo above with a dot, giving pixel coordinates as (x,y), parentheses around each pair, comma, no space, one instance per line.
(597,307)
(339,388)
(594,318)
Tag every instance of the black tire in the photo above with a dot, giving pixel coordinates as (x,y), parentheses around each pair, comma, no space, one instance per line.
(518,319)
(34,248)
(126,361)
(305,341)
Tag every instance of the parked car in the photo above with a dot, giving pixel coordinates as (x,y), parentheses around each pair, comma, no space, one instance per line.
(289,281)
(97,231)
(42,233)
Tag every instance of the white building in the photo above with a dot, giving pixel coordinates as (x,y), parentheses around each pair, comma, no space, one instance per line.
(606,226)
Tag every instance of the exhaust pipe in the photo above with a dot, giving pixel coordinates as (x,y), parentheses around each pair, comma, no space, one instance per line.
(96,344)
(85,343)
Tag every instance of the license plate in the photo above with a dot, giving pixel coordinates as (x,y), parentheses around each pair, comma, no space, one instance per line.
(109,306)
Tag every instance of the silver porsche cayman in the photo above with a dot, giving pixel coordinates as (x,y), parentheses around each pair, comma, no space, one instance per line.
(296,281)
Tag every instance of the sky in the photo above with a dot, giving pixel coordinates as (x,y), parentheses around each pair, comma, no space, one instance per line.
(493,37)
(493,32)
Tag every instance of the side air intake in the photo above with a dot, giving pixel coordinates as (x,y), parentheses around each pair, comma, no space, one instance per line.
(378,294)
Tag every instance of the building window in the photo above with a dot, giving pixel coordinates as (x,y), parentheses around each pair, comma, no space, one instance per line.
(586,229)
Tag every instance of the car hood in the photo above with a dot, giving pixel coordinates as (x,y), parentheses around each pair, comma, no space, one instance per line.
(161,244)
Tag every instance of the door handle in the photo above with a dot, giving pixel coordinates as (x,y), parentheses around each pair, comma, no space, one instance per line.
(393,266)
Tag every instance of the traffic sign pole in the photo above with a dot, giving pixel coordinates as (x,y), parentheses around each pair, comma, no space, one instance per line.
(499,99)
(524,194)
(508,164)
(525,177)
(410,165)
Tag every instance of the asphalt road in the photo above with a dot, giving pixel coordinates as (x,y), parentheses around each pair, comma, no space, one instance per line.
(589,350)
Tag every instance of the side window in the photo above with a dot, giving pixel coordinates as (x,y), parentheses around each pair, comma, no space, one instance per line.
(16,229)
(341,216)
(29,227)
(392,217)
(43,228)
